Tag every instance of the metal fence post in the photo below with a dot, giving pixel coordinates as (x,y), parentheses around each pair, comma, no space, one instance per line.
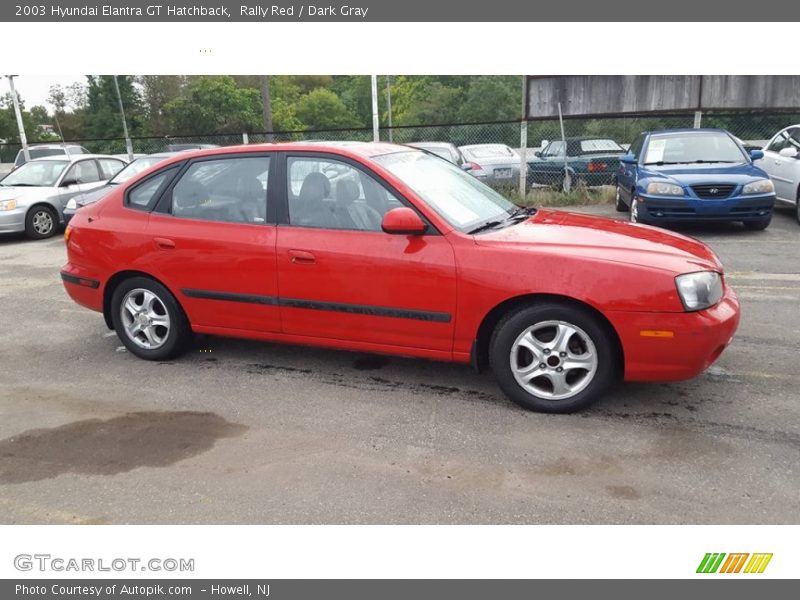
(376,134)
(567,182)
(523,142)
(22,139)
(245,139)
(698,119)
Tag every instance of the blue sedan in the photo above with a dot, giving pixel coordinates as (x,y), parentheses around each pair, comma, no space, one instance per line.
(693,175)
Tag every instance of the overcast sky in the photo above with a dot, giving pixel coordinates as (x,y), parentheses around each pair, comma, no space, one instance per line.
(34,89)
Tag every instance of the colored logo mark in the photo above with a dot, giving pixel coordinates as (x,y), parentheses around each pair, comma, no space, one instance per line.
(719,562)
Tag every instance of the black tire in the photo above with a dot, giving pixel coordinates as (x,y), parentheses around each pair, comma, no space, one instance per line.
(41,222)
(514,324)
(178,333)
(759,225)
(634,212)
(620,203)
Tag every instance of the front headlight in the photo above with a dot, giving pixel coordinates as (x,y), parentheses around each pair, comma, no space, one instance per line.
(699,290)
(71,204)
(762,186)
(664,189)
(8,204)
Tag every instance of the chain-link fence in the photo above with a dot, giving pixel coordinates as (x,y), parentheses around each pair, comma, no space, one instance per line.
(546,168)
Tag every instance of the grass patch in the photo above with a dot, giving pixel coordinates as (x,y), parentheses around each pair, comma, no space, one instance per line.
(579,196)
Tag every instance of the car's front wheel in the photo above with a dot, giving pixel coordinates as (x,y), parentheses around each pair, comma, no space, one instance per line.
(148,319)
(41,222)
(620,204)
(635,216)
(553,357)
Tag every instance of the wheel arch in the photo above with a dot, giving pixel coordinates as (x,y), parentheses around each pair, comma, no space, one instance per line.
(480,347)
(116,279)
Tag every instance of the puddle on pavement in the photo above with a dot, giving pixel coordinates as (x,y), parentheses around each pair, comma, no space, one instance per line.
(109,447)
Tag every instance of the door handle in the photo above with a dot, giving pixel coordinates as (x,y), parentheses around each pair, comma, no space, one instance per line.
(164,243)
(301,257)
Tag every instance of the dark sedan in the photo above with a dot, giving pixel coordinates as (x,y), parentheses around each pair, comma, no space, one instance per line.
(587,161)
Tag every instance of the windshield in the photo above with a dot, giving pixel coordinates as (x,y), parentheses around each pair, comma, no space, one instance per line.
(459,198)
(40,173)
(706,147)
(133,169)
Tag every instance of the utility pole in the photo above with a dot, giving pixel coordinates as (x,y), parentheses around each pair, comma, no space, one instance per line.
(128,142)
(389,104)
(376,132)
(266,106)
(20,125)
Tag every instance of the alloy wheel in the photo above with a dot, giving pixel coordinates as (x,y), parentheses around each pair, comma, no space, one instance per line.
(42,222)
(553,360)
(145,319)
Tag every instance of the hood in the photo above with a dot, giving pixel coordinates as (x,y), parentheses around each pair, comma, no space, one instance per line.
(94,195)
(711,173)
(566,233)
(26,195)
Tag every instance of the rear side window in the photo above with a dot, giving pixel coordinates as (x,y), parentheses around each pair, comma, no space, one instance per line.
(230,190)
(144,195)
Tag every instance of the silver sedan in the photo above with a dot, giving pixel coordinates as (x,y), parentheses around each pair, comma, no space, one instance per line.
(32,197)
(496,165)
(782,163)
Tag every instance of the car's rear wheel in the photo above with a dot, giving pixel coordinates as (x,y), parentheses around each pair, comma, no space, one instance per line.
(148,319)
(41,222)
(620,204)
(759,225)
(553,357)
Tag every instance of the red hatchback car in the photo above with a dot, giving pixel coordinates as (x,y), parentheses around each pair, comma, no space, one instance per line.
(389,249)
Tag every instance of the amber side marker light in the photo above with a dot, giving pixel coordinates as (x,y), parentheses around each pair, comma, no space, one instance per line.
(656,333)
(67,233)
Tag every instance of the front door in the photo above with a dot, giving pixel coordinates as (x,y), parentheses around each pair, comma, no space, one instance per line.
(341,277)
(781,169)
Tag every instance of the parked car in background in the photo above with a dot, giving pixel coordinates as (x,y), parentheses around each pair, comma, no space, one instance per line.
(693,175)
(190,146)
(446,150)
(32,198)
(385,248)
(782,163)
(497,165)
(42,150)
(588,161)
(131,170)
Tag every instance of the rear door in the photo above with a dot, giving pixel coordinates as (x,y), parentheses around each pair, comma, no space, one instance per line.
(341,277)
(212,242)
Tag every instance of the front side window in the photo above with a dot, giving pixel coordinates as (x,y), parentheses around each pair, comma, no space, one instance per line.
(330,194)
(636,147)
(458,197)
(555,149)
(779,143)
(84,171)
(231,190)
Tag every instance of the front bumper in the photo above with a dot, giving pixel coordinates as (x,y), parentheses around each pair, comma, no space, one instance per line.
(737,208)
(12,221)
(675,346)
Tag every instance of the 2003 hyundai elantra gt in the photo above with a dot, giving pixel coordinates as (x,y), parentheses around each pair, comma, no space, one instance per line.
(384,248)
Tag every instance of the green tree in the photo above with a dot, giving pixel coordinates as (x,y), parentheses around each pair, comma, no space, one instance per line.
(491,98)
(321,109)
(215,104)
(103,107)
(157,92)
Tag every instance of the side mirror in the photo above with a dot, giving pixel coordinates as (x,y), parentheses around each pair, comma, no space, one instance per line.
(758,154)
(538,154)
(69,182)
(787,152)
(403,221)
(628,159)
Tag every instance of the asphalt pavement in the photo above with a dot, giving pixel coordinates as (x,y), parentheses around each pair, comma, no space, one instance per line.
(249,432)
